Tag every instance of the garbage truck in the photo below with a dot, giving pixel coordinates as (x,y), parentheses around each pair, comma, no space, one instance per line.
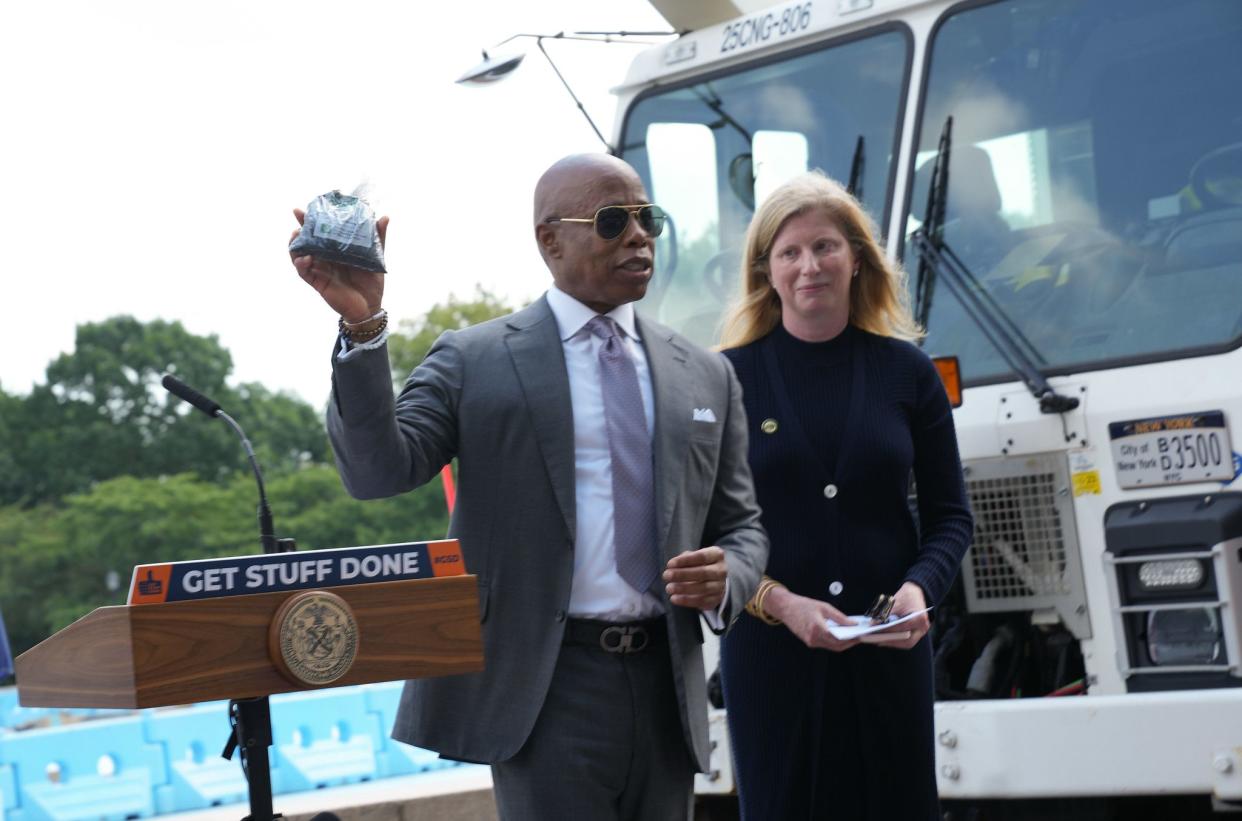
(1061,181)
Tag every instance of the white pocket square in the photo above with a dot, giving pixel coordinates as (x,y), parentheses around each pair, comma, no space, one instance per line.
(704,415)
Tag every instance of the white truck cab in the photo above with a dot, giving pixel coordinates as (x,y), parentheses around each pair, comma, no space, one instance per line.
(1083,241)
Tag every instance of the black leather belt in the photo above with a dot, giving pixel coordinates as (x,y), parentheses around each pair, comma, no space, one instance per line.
(616,637)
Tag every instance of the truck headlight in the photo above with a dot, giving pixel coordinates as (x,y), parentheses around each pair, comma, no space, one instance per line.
(1181,637)
(1175,585)
(1171,574)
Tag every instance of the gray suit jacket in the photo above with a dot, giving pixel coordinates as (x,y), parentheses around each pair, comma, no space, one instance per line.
(496,397)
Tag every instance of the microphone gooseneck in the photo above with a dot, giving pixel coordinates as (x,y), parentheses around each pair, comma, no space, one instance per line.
(250,718)
(267,531)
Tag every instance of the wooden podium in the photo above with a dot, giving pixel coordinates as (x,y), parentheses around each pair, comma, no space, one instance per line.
(237,645)
(155,655)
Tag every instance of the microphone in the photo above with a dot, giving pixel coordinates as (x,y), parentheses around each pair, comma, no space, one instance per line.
(209,406)
(183,391)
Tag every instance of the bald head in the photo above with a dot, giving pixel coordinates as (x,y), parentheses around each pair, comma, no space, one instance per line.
(599,272)
(571,183)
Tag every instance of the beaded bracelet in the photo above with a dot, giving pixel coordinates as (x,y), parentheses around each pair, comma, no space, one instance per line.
(367,336)
(366,330)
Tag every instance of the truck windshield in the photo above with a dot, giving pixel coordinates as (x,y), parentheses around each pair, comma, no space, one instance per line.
(1095,180)
(709,151)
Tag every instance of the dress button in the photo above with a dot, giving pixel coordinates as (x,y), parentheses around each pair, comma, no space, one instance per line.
(560,615)
(836,587)
(830,491)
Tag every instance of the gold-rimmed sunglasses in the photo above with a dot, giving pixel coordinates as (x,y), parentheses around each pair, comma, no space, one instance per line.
(611,220)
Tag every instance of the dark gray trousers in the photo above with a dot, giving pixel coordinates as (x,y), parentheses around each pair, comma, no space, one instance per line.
(607,746)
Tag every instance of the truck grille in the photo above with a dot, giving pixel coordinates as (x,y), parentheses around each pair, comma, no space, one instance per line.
(1025,553)
(1019,548)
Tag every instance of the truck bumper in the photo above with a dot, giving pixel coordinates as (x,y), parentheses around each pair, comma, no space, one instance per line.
(1185,742)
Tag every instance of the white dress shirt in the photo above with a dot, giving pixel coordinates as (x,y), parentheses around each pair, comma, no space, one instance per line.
(598,590)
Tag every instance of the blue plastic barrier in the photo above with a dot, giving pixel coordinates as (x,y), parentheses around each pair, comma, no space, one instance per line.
(8,787)
(394,757)
(8,704)
(99,770)
(17,716)
(198,776)
(168,760)
(322,738)
(13,715)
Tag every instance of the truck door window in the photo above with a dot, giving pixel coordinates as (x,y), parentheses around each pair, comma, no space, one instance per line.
(1077,129)
(764,121)
(682,180)
(778,155)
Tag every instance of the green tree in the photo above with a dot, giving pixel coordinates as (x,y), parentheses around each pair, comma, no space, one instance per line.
(312,506)
(409,344)
(286,432)
(103,413)
(11,413)
(57,562)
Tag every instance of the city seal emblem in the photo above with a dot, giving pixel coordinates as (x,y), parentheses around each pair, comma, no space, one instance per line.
(313,639)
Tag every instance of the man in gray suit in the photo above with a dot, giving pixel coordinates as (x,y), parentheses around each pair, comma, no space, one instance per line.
(597,457)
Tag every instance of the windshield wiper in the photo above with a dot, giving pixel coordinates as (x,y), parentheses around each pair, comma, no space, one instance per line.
(933,225)
(711,99)
(857,165)
(938,261)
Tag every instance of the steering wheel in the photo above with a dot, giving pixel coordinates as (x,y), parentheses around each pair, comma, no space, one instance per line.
(720,274)
(1216,178)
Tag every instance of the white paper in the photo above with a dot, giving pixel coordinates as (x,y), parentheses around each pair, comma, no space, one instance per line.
(846,632)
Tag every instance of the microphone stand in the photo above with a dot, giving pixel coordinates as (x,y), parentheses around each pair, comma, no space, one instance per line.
(250,719)
(267,536)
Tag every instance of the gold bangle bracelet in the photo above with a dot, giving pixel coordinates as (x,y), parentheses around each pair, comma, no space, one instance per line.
(756,604)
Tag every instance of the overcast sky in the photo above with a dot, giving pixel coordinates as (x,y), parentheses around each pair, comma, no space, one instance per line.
(154,151)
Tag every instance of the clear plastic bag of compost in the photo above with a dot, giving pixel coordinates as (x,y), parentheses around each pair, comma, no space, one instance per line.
(341,228)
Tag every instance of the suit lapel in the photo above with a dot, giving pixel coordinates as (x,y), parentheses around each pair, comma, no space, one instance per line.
(539,359)
(672,423)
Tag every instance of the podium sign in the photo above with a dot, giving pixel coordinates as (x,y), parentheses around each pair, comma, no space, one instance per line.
(273,572)
(198,631)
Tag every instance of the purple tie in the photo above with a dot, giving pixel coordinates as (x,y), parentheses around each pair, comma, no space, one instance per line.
(633,497)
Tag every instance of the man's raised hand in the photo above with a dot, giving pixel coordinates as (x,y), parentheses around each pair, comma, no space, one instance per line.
(353,293)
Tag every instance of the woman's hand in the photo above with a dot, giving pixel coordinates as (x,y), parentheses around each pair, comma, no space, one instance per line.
(808,619)
(356,295)
(909,599)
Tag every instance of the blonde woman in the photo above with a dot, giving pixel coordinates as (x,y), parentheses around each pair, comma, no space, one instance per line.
(841,408)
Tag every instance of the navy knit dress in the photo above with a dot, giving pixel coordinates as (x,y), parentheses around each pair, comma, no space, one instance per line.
(835,429)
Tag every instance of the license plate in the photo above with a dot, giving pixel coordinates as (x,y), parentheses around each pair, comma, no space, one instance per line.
(1172,450)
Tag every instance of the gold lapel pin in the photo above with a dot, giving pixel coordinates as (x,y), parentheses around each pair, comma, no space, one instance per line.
(768,426)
